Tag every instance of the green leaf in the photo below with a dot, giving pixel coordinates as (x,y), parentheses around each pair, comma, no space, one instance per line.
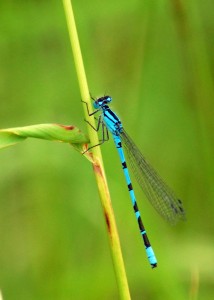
(52,132)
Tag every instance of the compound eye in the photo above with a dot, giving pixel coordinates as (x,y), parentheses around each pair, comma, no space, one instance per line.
(96,104)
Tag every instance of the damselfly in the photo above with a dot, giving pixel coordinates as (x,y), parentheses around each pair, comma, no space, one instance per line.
(158,193)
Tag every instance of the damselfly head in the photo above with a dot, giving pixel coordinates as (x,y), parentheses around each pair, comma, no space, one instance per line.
(102,101)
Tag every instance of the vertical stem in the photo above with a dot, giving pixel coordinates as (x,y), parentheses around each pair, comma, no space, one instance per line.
(97,159)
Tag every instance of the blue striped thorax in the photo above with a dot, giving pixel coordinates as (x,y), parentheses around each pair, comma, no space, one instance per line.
(110,119)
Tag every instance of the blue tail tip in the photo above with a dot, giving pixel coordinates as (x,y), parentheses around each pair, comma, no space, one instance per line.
(154,265)
(151,257)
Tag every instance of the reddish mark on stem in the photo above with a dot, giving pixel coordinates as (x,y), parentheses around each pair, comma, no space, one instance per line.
(107,221)
(86,152)
(97,169)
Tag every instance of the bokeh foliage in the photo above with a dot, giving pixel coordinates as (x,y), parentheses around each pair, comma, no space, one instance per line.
(156,60)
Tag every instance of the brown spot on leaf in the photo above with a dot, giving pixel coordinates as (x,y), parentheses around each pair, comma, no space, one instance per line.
(67,127)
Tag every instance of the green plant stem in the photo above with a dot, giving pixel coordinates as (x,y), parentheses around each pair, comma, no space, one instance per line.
(97,159)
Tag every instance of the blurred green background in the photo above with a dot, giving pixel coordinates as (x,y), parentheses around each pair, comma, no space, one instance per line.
(155,58)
